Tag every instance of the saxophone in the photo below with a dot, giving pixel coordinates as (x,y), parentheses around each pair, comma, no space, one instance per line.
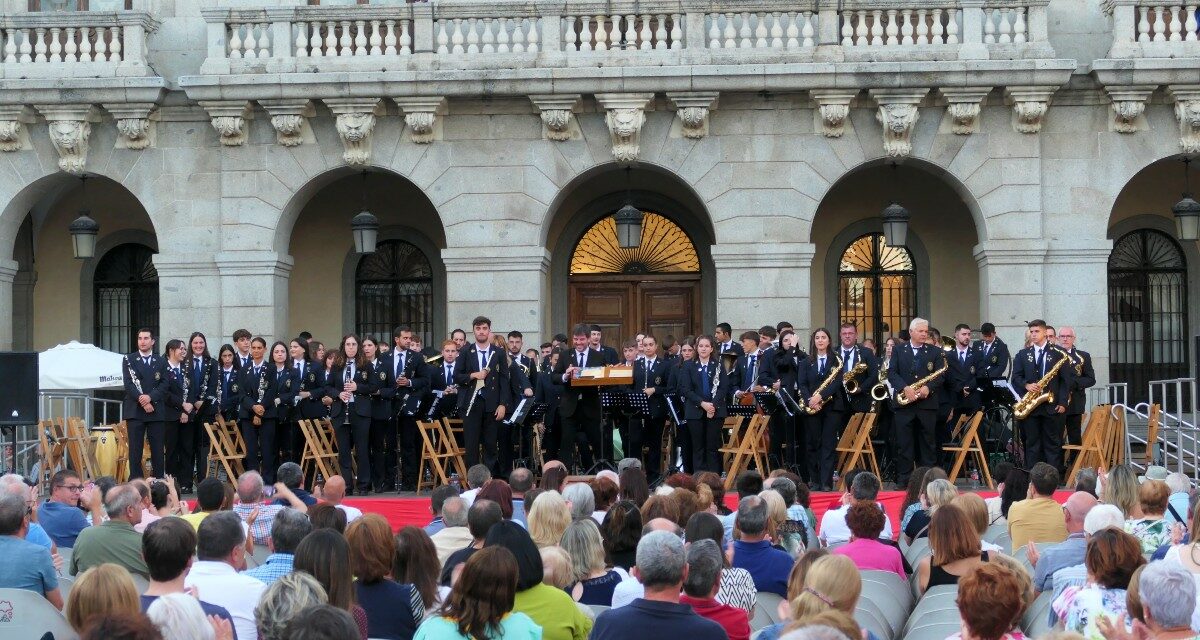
(1034,399)
(903,400)
(849,380)
(880,391)
(833,374)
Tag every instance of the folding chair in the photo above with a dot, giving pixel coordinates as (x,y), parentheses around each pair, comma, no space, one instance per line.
(432,455)
(222,452)
(30,615)
(846,442)
(970,444)
(450,446)
(859,450)
(1153,422)
(739,450)
(78,450)
(1090,452)
(319,456)
(53,446)
(122,431)
(731,438)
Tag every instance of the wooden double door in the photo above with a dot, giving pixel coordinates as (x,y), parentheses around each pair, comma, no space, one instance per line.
(624,306)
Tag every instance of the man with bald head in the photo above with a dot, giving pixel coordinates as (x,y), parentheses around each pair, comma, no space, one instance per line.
(113,541)
(334,492)
(1067,553)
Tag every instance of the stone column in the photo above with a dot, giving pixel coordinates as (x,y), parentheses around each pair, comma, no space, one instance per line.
(1076,294)
(509,289)
(767,282)
(254,293)
(187,299)
(1011,287)
(8,272)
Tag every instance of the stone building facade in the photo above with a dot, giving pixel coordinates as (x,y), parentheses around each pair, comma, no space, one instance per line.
(233,141)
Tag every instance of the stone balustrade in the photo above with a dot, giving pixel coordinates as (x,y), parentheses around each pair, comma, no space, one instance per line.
(1154,29)
(82,43)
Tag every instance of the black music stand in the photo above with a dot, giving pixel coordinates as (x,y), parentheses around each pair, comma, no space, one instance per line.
(611,402)
(444,406)
(534,414)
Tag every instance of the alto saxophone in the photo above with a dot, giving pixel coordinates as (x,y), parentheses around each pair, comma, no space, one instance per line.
(833,374)
(849,380)
(1034,399)
(903,400)
(880,391)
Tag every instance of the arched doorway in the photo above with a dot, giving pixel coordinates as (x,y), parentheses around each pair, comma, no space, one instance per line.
(877,286)
(653,287)
(1147,310)
(393,287)
(125,286)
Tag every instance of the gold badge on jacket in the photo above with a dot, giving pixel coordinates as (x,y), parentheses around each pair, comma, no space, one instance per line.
(993,359)
(929,366)
(233,388)
(383,375)
(972,369)
(157,375)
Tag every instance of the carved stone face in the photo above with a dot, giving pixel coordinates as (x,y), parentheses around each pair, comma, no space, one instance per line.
(626,122)
(65,133)
(357,126)
(1189,113)
(899,117)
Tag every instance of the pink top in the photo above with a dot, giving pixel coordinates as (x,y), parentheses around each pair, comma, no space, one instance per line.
(873,555)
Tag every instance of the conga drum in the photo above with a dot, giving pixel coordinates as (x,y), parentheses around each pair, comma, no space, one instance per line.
(105,443)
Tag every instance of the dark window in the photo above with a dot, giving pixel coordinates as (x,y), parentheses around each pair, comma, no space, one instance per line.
(126,292)
(393,287)
(877,287)
(1147,311)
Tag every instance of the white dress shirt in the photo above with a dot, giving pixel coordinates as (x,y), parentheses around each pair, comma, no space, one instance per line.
(221,585)
(834,529)
(352,513)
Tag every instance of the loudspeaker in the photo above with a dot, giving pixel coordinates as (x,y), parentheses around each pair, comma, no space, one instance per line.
(18,388)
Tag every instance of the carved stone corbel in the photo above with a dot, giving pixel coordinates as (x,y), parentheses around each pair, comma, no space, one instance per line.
(355,123)
(290,120)
(14,136)
(229,119)
(1030,105)
(557,112)
(135,124)
(626,113)
(1187,111)
(963,107)
(421,116)
(833,108)
(70,130)
(898,112)
(1128,104)
(693,108)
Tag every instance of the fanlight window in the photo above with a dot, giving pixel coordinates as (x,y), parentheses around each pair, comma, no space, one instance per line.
(877,287)
(664,248)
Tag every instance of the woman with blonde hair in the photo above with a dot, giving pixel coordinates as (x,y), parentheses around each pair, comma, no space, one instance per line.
(784,536)
(977,511)
(938,493)
(101,591)
(1119,487)
(548,518)
(831,583)
(594,581)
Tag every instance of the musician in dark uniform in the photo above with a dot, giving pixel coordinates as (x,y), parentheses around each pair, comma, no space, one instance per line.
(146,383)
(852,354)
(913,423)
(825,407)
(645,430)
(993,357)
(201,370)
(1083,378)
(482,361)
(522,376)
(579,407)
(381,410)
(1042,429)
(787,366)
(310,376)
(177,429)
(547,392)
(676,373)
(754,368)
(965,360)
(227,381)
(609,355)
(351,384)
(707,388)
(410,382)
(257,401)
(723,341)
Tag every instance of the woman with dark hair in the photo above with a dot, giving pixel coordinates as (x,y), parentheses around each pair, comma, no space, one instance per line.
(713,482)
(256,385)
(176,410)
(287,389)
(310,388)
(621,530)
(227,372)
(325,555)
(1111,558)
(1016,488)
(605,491)
(352,385)
(415,562)
(788,363)
(480,606)
(912,495)
(500,492)
(707,388)
(553,478)
(675,375)
(633,486)
(551,608)
(327,516)
(381,411)
(393,610)
(828,404)
(201,401)
(737,585)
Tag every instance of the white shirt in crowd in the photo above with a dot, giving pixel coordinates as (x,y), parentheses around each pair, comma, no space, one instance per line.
(834,529)
(352,514)
(221,585)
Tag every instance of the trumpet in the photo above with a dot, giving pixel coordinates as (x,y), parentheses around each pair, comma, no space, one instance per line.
(833,374)
(850,380)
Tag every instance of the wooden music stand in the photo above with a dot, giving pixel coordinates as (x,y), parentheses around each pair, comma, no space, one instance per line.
(859,450)
(970,445)
(319,456)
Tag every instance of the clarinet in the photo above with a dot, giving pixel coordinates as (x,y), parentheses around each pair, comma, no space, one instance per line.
(346,380)
(186,387)
(203,387)
(137,382)
(262,390)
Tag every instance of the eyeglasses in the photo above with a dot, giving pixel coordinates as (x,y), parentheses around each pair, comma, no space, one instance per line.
(71,487)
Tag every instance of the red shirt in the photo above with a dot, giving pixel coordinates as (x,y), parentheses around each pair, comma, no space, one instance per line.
(734,620)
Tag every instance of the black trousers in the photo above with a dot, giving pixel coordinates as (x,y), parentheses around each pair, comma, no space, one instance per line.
(410,450)
(821,439)
(646,432)
(260,440)
(180,437)
(683,437)
(353,439)
(480,427)
(139,432)
(913,429)
(1042,434)
(1074,424)
(291,441)
(377,436)
(581,422)
(200,447)
(706,442)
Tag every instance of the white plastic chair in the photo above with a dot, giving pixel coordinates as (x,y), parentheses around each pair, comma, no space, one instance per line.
(25,614)
(769,603)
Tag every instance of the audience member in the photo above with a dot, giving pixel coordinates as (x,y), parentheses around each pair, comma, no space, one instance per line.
(415,562)
(621,529)
(748,483)
(938,493)
(520,480)
(548,605)
(322,622)
(220,554)
(753,552)
(660,505)
(102,590)
(252,506)
(912,495)
(1185,556)
(121,626)
(629,590)
(864,486)
(1038,518)
(1111,558)
(326,516)
(989,601)
(548,518)
(605,491)
(1087,481)
(737,585)
(113,541)
(554,477)
(594,581)
(1120,487)
(334,492)
(782,536)
(480,606)
(999,473)
(956,549)
(633,486)
(1014,489)
(797,516)
(477,476)
(1177,503)
(291,476)
(26,565)
(15,484)
(581,500)
(288,529)
(499,492)
(1167,596)
(1152,529)
(178,616)
(717,487)
(705,562)
(831,583)
(167,546)
(827,625)
(482,515)
(1099,518)
(454,534)
(325,555)
(286,599)
(661,568)
(61,517)
(1070,551)
(393,610)
(866,521)
(977,512)
(437,498)
(210,495)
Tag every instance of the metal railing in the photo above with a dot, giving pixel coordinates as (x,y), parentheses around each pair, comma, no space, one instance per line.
(51,405)
(1178,437)
(1111,393)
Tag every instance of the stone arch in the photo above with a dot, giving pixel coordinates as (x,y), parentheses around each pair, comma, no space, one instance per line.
(601,190)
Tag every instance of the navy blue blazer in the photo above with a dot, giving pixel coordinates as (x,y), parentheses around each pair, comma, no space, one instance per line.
(691,387)
(153,379)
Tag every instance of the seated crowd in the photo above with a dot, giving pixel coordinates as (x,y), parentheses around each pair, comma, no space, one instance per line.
(604,558)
